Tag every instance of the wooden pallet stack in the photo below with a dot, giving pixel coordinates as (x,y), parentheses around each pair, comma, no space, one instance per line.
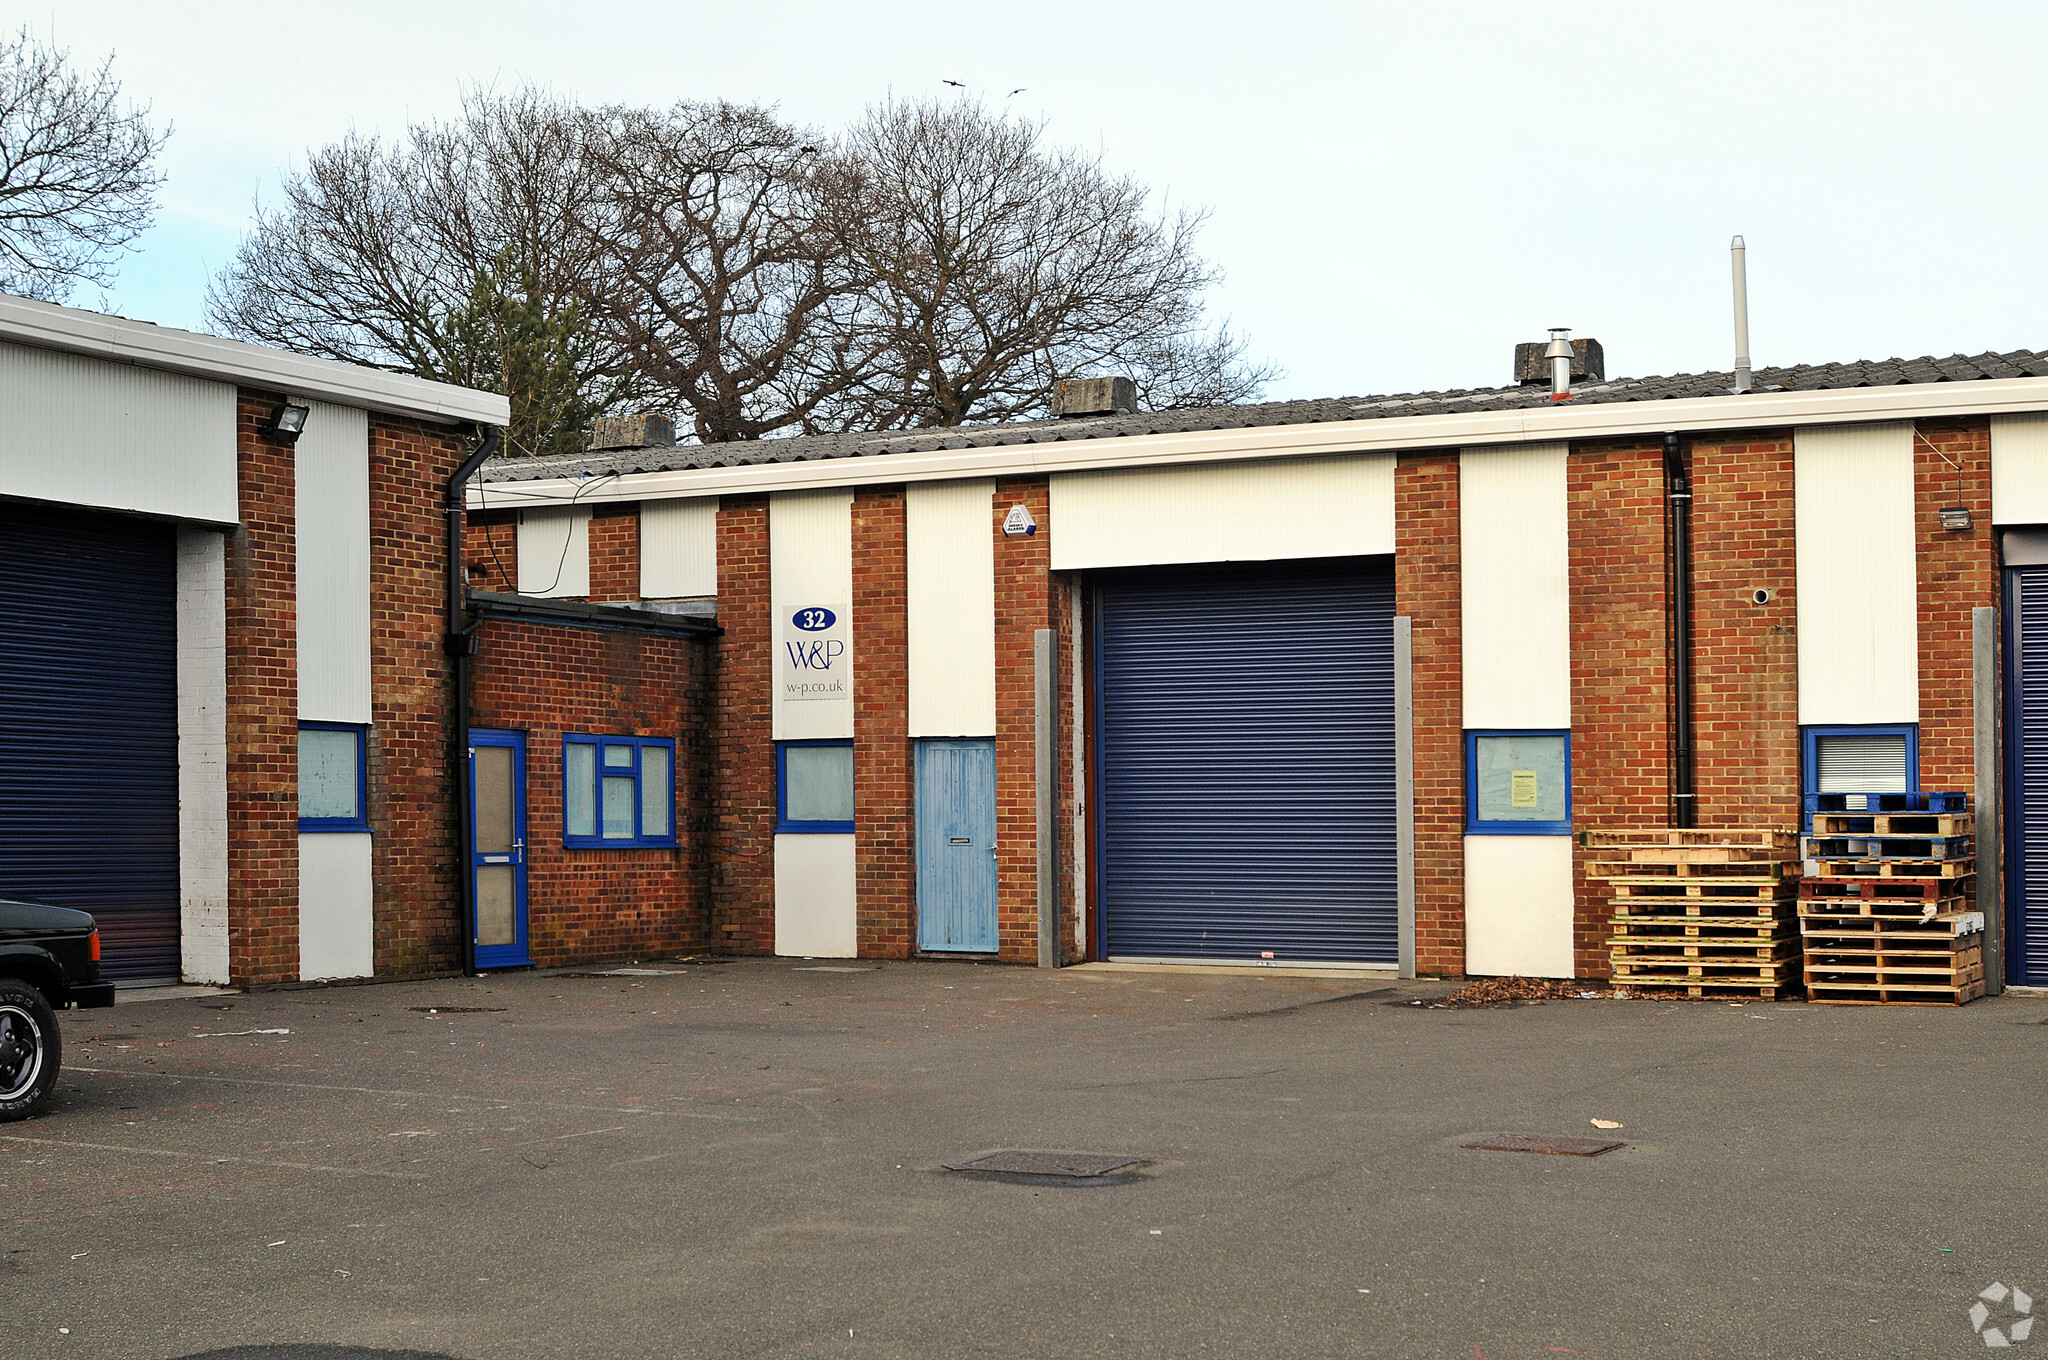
(1887,908)
(1702,911)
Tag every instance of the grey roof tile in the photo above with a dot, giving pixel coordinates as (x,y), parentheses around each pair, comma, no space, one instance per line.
(1674,387)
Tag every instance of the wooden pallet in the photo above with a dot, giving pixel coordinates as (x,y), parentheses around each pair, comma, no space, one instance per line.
(1943,927)
(1617,870)
(1919,824)
(1756,972)
(1891,868)
(1840,994)
(1671,907)
(1712,987)
(1722,889)
(1942,848)
(1638,951)
(1745,929)
(1785,843)
(1823,894)
(1927,801)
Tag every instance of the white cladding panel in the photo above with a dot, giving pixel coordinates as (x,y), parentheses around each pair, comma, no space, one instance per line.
(678,548)
(949,547)
(332,525)
(1336,506)
(814,910)
(554,552)
(335,934)
(810,567)
(79,431)
(2019,469)
(1859,635)
(1514,572)
(1518,906)
(202,756)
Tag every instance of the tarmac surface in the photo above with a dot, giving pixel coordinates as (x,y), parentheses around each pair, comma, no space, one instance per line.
(740,1159)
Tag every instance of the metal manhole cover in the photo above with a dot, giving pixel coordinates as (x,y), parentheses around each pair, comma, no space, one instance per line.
(1543,1142)
(1061,1166)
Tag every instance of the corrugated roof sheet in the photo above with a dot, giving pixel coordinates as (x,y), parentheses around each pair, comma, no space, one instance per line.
(1798,378)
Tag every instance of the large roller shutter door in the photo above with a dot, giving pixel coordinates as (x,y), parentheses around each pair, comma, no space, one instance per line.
(1246,726)
(89,726)
(2027,818)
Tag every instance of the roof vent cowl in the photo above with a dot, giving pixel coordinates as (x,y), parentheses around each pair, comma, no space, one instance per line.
(1532,366)
(1094,397)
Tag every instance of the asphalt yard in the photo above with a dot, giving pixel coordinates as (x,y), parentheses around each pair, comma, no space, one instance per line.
(748,1159)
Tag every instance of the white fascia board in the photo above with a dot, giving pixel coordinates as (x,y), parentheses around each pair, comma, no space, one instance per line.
(118,340)
(1693,415)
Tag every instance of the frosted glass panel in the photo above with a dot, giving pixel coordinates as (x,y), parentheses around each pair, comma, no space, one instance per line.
(654,791)
(495,788)
(618,757)
(494,905)
(1521,779)
(579,789)
(618,809)
(818,783)
(327,773)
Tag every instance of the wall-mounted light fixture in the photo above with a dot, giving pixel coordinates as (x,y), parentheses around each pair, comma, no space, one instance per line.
(288,422)
(1955,517)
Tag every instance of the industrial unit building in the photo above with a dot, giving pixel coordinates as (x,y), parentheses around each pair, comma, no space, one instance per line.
(1323,682)
(1320,682)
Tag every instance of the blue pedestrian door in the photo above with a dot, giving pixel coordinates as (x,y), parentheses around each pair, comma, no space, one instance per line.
(497,846)
(956,846)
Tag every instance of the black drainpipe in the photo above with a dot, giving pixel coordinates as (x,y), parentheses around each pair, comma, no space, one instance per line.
(461,643)
(1678,493)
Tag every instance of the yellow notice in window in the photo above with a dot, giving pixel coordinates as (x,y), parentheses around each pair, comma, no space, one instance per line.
(1522,788)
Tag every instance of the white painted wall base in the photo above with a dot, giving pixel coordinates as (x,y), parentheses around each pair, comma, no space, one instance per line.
(814,911)
(1518,906)
(202,756)
(336,939)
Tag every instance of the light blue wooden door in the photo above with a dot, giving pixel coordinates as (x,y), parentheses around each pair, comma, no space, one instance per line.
(956,845)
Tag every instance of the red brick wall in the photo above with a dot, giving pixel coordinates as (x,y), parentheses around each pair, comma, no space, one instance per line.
(1745,655)
(615,552)
(597,905)
(1957,572)
(884,866)
(1025,602)
(1621,751)
(490,550)
(743,747)
(263,706)
(417,847)
(1426,589)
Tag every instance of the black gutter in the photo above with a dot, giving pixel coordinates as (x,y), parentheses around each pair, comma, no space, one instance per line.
(1678,495)
(460,641)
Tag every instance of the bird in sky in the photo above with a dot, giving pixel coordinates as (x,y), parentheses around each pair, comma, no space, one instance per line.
(1014,93)
(958,84)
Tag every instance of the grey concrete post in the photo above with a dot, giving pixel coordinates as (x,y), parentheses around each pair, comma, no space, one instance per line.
(1045,675)
(1404,787)
(1984,676)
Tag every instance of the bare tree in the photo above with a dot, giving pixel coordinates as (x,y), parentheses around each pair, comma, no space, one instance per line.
(406,255)
(996,266)
(724,280)
(77,177)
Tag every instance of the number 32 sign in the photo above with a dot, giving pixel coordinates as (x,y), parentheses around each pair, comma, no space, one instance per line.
(814,656)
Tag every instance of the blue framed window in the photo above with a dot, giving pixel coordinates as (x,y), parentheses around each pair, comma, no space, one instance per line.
(1518,782)
(1871,758)
(618,793)
(334,777)
(814,787)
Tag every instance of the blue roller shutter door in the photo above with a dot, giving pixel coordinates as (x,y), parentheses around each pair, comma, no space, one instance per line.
(1246,732)
(89,726)
(2027,817)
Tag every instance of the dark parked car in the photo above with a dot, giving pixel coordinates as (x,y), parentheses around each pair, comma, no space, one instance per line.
(49,959)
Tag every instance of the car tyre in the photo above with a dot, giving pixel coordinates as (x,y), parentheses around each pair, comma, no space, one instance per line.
(30,1049)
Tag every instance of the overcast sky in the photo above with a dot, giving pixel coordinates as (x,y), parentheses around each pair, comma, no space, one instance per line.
(1399,192)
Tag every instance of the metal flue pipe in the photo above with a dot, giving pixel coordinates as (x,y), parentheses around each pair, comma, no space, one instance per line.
(1735,250)
(1560,355)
